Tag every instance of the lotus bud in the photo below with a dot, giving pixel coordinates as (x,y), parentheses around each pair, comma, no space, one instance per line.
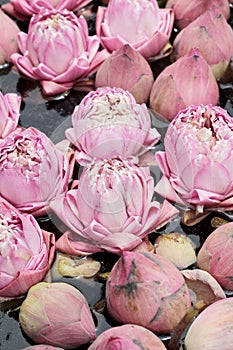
(176,247)
(143,25)
(8,39)
(148,290)
(57,314)
(198,159)
(10,111)
(128,336)
(186,11)
(177,83)
(213,327)
(111,209)
(211,33)
(128,69)
(109,123)
(41,347)
(215,255)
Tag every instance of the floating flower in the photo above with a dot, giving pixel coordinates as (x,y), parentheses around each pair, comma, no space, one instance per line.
(109,123)
(148,290)
(57,50)
(186,11)
(112,209)
(128,69)
(57,314)
(211,33)
(10,111)
(197,163)
(8,39)
(32,171)
(26,252)
(128,336)
(142,25)
(188,81)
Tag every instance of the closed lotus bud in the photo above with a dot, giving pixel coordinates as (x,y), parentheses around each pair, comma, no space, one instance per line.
(176,247)
(109,123)
(42,347)
(9,110)
(148,290)
(128,337)
(128,69)
(215,255)
(8,39)
(186,11)
(213,328)
(211,33)
(57,314)
(198,159)
(173,89)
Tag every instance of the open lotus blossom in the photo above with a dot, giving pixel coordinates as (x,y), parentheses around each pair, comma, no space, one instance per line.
(108,123)
(32,170)
(188,81)
(112,209)
(8,39)
(186,11)
(57,50)
(10,111)
(197,163)
(211,33)
(128,337)
(142,25)
(26,252)
(148,290)
(25,9)
(57,314)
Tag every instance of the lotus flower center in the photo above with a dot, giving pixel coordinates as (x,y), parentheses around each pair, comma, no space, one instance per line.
(56,21)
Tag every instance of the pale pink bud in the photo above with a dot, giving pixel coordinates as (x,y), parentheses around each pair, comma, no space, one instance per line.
(148,290)
(10,111)
(178,82)
(8,38)
(128,69)
(57,314)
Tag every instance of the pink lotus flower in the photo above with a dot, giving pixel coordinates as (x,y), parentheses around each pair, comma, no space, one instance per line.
(142,25)
(215,255)
(32,171)
(211,33)
(128,337)
(10,111)
(26,252)
(128,69)
(24,9)
(188,81)
(57,50)
(112,209)
(186,11)
(57,314)
(8,39)
(148,290)
(109,123)
(197,164)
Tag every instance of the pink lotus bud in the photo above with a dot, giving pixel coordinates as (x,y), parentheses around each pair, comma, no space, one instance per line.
(112,208)
(29,161)
(10,111)
(148,290)
(215,255)
(109,123)
(143,25)
(197,164)
(42,347)
(57,314)
(128,337)
(128,69)
(212,329)
(26,252)
(24,9)
(211,33)
(177,83)
(47,57)
(186,11)
(8,38)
